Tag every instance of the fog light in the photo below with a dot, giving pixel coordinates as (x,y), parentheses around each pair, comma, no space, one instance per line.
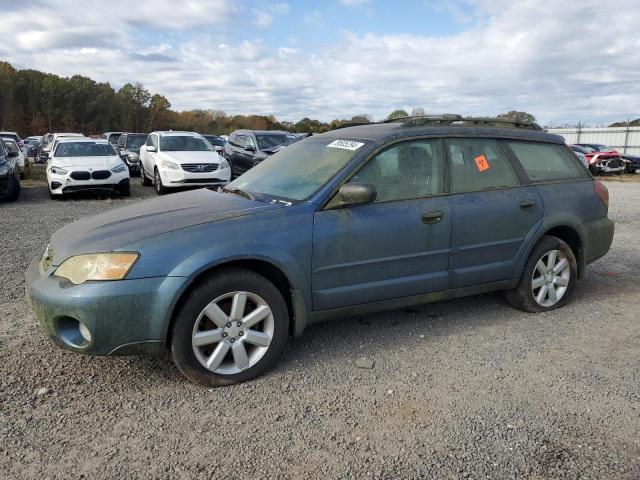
(84,331)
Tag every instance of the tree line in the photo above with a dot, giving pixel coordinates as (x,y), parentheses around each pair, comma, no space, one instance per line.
(34,103)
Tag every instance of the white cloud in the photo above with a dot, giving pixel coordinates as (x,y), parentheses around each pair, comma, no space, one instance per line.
(541,56)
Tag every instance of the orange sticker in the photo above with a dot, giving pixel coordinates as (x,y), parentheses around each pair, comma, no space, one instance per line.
(481,163)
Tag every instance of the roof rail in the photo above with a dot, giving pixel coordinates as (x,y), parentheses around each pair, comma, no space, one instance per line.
(354,124)
(415,121)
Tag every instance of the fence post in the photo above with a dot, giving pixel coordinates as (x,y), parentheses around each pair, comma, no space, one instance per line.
(579,131)
(626,137)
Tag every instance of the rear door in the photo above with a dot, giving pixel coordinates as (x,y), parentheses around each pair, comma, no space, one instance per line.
(495,214)
(395,247)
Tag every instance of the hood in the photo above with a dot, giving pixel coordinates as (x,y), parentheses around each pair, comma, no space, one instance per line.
(272,150)
(95,162)
(191,157)
(116,229)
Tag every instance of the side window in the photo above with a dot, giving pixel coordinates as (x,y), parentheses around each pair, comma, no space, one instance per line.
(148,143)
(240,140)
(121,140)
(478,164)
(405,170)
(546,161)
(154,140)
(232,139)
(250,142)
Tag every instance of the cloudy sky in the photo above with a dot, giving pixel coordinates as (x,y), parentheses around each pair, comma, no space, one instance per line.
(563,61)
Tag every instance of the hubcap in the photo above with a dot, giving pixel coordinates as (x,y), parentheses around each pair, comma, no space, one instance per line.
(233,332)
(551,278)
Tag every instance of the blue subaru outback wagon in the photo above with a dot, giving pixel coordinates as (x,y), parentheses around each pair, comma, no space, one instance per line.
(356,220)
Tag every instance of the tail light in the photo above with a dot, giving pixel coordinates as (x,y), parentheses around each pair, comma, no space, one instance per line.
(601,192)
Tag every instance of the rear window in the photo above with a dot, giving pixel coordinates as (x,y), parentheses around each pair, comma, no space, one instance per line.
(548,162)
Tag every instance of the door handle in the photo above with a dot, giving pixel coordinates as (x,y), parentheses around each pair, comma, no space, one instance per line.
(527,204)
(432,217)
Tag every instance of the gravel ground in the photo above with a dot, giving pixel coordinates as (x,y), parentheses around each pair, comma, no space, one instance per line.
(461,389)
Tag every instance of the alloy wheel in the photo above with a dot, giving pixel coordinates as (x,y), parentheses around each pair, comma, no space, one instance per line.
(551,278)
(233,332)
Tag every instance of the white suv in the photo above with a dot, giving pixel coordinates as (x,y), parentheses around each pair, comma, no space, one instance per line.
(181,159)
(80,164)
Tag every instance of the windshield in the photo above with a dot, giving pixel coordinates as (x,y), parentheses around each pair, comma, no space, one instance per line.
(84,149)
(216,141)
(185,143)
(135,141)
(299,170)
(272,140)
(114,137)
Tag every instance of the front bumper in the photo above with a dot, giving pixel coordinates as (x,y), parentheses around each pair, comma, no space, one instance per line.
(181,178)
(61,184)
(123,317)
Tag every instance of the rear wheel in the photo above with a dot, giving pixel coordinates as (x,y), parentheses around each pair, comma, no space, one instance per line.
(15,190)
(232,328)
(548,279)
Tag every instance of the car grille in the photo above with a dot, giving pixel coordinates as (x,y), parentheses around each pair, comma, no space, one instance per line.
(100,174)
(202,180)
(199,167)
(80,175)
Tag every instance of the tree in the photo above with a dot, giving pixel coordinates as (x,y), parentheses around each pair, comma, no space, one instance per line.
(518,116)
(134,101)
(159,112)
(397,114)
(418,112)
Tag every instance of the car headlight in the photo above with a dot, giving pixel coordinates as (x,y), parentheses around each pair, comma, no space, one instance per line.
(4,168)
(59,171)
(223,164)
(169,164)
(133,156)
(96,266)
(119,169)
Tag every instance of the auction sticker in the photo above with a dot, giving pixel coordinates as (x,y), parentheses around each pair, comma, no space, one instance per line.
(345,144)
(481,163)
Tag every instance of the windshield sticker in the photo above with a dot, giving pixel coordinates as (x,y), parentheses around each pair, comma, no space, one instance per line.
(345,144)
(481,163)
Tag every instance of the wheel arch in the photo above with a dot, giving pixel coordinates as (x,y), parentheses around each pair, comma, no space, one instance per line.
(570,235)
(262,267)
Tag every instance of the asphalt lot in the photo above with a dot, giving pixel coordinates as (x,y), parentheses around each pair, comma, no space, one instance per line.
(460,389)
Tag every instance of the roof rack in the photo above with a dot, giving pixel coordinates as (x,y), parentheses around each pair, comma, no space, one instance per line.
(415,121)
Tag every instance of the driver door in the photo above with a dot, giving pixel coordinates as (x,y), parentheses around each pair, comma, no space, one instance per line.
(395,247)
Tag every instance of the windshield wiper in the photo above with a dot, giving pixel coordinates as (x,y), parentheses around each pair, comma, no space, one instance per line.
(238,191)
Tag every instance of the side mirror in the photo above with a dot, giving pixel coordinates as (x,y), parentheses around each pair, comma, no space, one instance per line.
(250,148)
(354,194)
(13,154)
(150,148)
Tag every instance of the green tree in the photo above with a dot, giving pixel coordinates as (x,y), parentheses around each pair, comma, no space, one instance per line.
(159,112)
(397,114)
(518,116)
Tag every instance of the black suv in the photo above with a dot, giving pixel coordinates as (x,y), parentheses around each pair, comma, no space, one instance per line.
(246,148)
(128,148)
(9,174)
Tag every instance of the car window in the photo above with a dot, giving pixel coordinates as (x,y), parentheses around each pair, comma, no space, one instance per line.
(121,140)
(184,143)
(249,142)
(12,146)
(545,161)
(240,140)
(478,164)
(154,141)
(273,140)
(84,149)
(405,170)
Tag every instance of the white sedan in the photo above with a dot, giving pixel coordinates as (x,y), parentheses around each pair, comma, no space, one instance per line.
(181,159)
(81,164)
(13,146)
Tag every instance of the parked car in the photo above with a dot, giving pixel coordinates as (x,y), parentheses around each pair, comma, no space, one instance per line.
(45,151)
(217,142)
(181,159)
(351,221)
(12,146)
(44,141)
(111,137)
(633,162)
(17,138)
(9,175)
(32,144)
(129,149)
(86,164)
(581,154)
(603,159)
(247,148)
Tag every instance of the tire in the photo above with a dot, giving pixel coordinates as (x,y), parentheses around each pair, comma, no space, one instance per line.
(157,183)
(125,190)
(531,298)
(144,181)
(15,190)
(221,289)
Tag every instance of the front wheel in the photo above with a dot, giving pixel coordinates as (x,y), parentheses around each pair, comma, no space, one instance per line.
(231,328)
(548,279)
(144,181)
(157,182)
